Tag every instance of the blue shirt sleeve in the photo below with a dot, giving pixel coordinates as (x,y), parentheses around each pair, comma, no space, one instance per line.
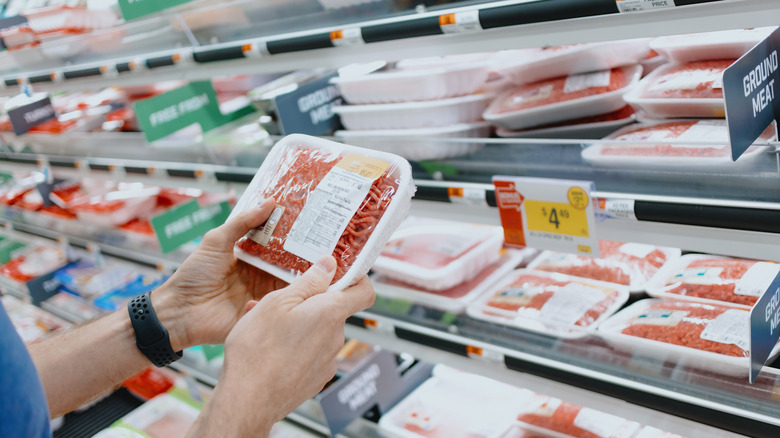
(23,407)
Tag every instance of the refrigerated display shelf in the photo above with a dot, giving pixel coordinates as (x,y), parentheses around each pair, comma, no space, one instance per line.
(551,365)
(507,24)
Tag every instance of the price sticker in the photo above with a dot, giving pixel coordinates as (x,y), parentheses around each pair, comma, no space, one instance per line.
(460,22)
(625,6)
(257,49)
(547,214)
(347,37)
(467,196)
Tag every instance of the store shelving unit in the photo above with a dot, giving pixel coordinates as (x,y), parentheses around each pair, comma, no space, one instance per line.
(729,212)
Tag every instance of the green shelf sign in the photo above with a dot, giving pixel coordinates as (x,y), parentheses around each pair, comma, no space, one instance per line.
(187,222)
(132,9)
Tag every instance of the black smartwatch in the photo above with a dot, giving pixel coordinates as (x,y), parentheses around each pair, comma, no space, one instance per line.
(151,337)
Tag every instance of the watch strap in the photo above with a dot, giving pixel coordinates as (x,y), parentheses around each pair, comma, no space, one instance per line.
(151,337)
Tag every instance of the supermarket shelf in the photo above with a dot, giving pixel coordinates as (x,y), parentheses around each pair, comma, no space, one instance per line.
(538,363)
(511,24)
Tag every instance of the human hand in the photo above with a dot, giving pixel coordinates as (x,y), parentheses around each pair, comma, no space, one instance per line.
(282,352)
(207,295)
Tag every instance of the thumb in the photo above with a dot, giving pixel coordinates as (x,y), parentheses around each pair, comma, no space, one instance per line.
(314,281)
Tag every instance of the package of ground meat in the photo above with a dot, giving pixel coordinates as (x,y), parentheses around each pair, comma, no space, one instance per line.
(456,404)
(714,279)
(596,126)
(549,303)
(688,144)
(549,416)
(438,254)
(115,207)
(706,336)
(693,89)
(652,432)
(33,261)
(629,264)
(724,44)
(454,299)
(562,98)
(330,198)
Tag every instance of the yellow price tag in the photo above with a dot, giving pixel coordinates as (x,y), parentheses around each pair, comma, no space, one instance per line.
(556,218)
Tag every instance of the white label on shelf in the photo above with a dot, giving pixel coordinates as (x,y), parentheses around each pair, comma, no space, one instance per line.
(730,327)
(584,81)
(757,279)
(669,318)
(453,246)
(466,21)
(326,214)
(625,6)
(620,208)
(257,49)
(638,250)
(347,37)
(569,303)
(603,424)
(262,234)
(471,196)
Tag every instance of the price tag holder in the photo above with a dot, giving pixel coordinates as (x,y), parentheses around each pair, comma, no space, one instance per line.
(467,196)
(625,6)
(547,213)
(347,37)
(46,286)
(749,88)
(764,327)
(460,22)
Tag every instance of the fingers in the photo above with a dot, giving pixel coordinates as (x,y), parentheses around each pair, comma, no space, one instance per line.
(314,281)
(356,298)
(225,236)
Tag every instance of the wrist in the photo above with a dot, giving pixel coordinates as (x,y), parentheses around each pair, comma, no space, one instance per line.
(171,315)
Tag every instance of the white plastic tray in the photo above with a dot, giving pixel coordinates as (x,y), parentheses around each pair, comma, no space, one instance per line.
(392,217)
(526,66)
(423,143)
(670,107)
(456,241)
(724,44)
(593,154)
(412,85)
(639,281)
(480,310)
(410,115)
(610,329)
(451,300)
(657,287)
(560,111)
(582,130)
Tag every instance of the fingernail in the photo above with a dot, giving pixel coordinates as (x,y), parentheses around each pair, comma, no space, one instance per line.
(326,263)
(251,305)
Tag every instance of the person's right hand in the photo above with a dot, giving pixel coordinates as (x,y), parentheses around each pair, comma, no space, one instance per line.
(282,352)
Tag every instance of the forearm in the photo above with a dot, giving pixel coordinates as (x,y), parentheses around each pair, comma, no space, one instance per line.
(85,362)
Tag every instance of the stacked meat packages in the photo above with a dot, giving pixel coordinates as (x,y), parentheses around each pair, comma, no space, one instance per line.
(406,109)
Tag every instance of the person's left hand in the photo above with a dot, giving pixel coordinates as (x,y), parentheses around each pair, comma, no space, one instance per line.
(208,294)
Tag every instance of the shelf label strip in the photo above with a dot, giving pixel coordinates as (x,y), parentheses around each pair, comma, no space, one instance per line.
(460,22)
(347,37)
(467,196)
(626,6)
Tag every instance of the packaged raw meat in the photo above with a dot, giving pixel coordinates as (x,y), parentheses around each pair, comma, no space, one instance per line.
(445,61)
(563,98)
(330,199)
(724,44)
(117,298)
(526,66)
(30,322)
(543,414)
(688,144)
(694,89)
(455,298)
(549,303)
(89,280)
(413,85)
(714,279)
(706,336)
(629,264)
(128,201)
(438,254)
(77,308)
(168,415)
(34,261)
(422,143)
(652,432)
(452,403)
(410,115)
(585,127)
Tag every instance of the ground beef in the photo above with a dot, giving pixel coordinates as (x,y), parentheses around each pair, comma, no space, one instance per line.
(733,270)
(697,80)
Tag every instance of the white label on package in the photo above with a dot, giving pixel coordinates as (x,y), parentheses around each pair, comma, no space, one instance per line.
(730,327)
(625,6)
(687,80)
(700,275)
(541,405)
(454,246)
(638,250)
(584,81)
(540,93)
(569,304)
(602,424)
(460,22)
(262,234)
(668,318)
(704,130)
(620,208)
(757,279)
(326,214)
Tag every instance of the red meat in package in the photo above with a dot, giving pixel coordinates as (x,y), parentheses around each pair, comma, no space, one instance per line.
(544,413)
(701,79)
